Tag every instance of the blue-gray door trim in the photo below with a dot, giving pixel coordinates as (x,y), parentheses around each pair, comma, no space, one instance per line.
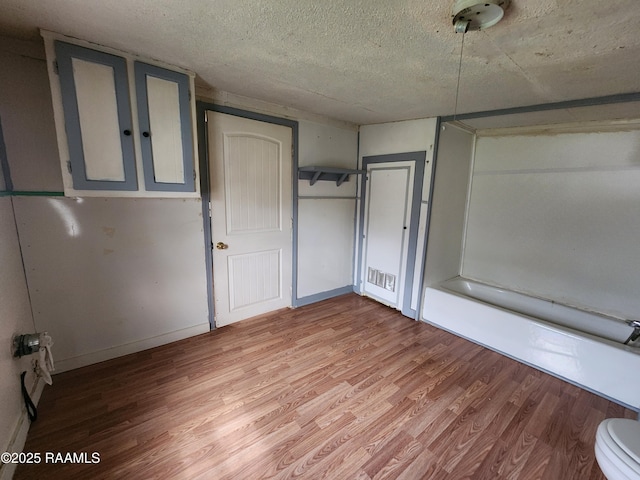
(203,153)
(432,180)
(419,159)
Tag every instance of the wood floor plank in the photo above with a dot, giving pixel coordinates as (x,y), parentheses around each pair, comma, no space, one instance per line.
(400,461)
(345,388)
(535,467)
(380,457)
(517,456)
(424,467)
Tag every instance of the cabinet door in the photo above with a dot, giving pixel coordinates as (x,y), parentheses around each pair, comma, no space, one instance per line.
(164,117)
(98,124)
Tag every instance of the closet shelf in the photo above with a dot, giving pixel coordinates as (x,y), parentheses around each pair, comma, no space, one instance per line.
(332,174)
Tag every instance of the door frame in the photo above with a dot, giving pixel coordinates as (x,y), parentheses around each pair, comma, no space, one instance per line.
(416,203)
(203,153)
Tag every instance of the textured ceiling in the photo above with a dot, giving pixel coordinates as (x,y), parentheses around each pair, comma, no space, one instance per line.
(364,61)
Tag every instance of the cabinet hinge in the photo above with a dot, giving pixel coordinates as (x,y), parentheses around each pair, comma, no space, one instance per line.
(69,165)
(56,69)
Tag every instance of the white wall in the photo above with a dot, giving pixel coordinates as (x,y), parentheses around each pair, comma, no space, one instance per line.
(556,216)
(3,185)
(400,137)
(15,318)
(326,212)
(15,311)
(27,117)
(450,194)
(106,276)
(113,276)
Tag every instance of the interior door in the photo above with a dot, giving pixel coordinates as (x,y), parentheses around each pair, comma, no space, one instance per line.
(251,216)
(387,221)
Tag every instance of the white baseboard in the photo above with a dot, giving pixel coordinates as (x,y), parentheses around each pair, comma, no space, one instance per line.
(19,437)
(120,350)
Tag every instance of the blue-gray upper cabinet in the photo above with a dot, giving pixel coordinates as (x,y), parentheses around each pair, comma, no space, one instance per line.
(98,123)
(125,124)
(164,118)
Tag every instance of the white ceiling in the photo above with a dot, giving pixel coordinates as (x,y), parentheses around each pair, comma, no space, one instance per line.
(364,61)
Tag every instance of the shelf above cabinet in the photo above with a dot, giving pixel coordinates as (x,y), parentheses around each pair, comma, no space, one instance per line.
(331,174)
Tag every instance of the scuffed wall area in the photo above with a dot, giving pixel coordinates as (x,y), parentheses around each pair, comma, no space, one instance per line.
(106,277)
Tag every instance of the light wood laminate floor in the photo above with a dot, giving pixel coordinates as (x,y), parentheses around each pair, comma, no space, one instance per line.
(342,389)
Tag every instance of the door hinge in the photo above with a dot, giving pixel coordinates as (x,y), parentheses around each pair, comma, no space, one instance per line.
(194,175)
(69,166)
(56,69)
(210,215)
(206,116)
(189,95)
(292,150)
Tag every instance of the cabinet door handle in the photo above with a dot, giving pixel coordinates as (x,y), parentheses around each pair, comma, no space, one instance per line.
(127,132)
(145,134)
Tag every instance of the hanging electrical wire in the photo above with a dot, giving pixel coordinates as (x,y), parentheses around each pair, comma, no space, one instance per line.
(474,15)
(455,108)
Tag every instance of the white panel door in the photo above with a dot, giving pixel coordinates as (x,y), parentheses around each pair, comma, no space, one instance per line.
(389,193)
(251,226)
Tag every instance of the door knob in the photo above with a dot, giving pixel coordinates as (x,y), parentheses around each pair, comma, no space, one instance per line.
(221,246)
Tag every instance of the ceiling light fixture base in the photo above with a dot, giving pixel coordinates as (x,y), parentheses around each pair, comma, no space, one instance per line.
(469,15)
